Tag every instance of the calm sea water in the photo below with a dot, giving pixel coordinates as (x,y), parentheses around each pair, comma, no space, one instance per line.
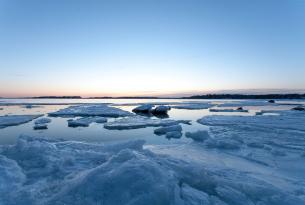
(59,129)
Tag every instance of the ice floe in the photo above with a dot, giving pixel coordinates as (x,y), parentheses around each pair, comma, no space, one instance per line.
(40,126)
(85,121)
(299,108)
(145,108)
(90,110)
(12,120)
(162,109)
(43,120)
(164,130)
(135,122)
(258,136)
(173,134)
(228,110)
(66,172)
(193,106)
(199,136)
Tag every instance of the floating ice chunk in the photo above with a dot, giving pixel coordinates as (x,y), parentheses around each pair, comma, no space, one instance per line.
(299,108)
(43,120)
(90,110)
(86,121)
(12,120)
(193,106)
(146,108)
(40,126)
(135,122)
(162,109)
(200,135)
(173,134)
(227,110)
(29,106)
(164,130)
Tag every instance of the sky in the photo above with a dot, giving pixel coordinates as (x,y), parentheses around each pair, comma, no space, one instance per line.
(150,47)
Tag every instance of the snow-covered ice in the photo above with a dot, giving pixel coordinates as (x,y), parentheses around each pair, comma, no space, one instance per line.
(43,120)
(85,121)
(260,137)
(200,135)
(135,122)
(173,134)
(102,110)
(162,109)
(164,130)
(12,120)
(227,110)
(66,172)
(145,108)
(193,106)
(40,126)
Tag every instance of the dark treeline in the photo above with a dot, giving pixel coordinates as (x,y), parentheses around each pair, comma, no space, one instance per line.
(58,97)
(241,96)
(207,96)
(125,97)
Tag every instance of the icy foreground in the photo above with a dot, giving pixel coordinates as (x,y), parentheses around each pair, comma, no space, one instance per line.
(12,120)
(66,172)
(90,110)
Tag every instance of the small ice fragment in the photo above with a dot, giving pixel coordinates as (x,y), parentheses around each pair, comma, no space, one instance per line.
(146,108)
(164,130)
(298,108)
(174,134)
(40,126)
(43,120)
(162,109)
(199,136)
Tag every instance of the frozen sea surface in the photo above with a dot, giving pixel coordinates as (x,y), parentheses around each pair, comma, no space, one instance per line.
(225,158)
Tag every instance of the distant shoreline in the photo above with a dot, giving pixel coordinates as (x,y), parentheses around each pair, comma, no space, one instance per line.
(207,96)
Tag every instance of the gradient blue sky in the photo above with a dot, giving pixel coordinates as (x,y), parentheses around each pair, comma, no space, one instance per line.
(150,47)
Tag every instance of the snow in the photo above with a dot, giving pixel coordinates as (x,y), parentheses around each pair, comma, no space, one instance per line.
(90,110)
(12,120)
(67,172)
(199,136)
(162,109)
(145,108)
(173,134)
(164,130)
(40,126)
(193,106)
(135,122)
(228,110)
(85,121)
(260,137)
(43,120)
